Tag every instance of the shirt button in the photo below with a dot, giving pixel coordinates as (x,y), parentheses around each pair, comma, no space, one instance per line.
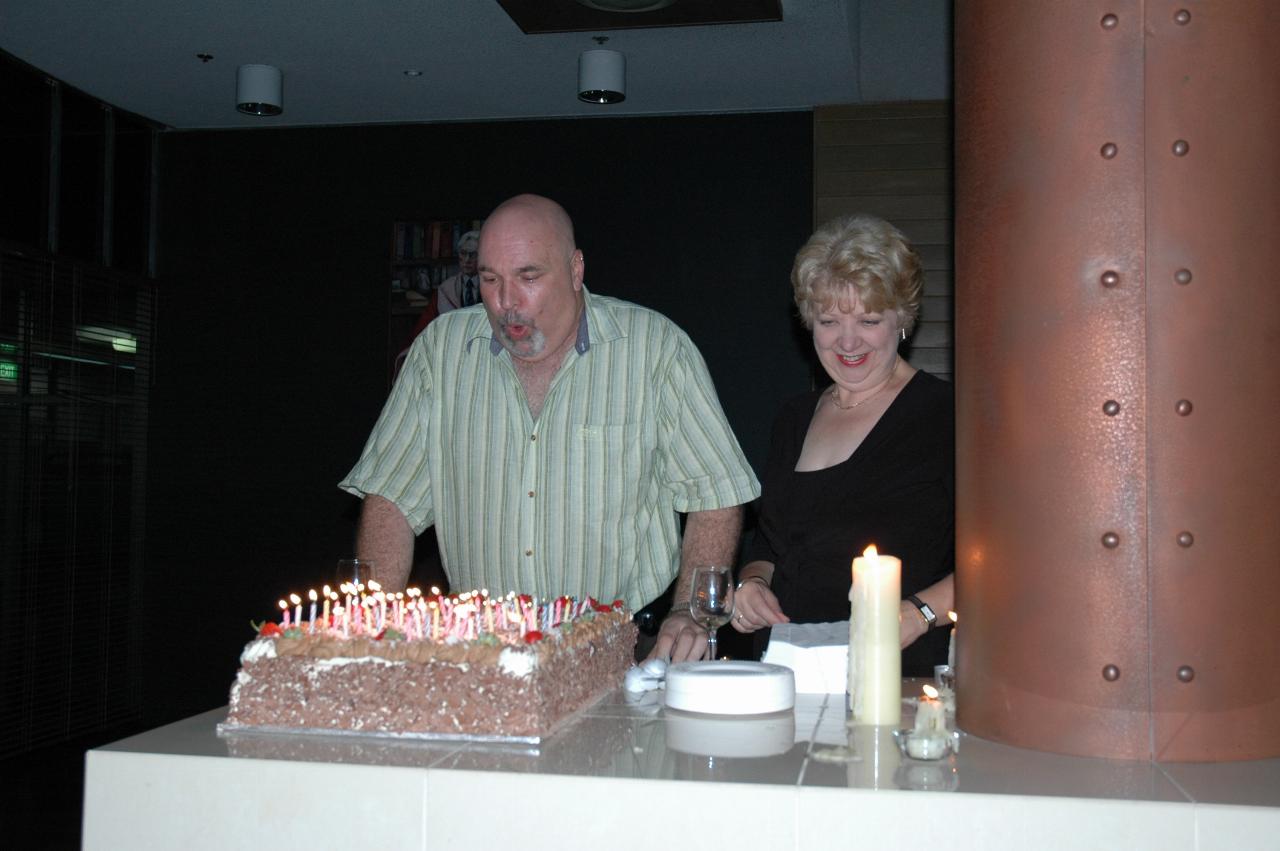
(533,437)
(530,494)
(528,552)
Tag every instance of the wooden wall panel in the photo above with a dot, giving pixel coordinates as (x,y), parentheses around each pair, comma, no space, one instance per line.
(894,161)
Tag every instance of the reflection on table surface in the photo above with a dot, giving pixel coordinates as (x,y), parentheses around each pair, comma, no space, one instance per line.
(810,746)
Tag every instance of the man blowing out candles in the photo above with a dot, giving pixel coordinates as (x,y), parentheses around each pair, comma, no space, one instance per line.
(551,435)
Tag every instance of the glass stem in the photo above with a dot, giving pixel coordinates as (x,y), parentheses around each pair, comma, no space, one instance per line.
(711,644)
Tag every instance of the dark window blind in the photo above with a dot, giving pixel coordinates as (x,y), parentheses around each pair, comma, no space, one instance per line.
(75,356)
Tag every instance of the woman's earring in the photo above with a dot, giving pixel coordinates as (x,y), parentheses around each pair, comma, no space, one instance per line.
(904,334)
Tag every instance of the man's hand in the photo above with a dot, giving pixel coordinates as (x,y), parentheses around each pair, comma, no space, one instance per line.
(680,639)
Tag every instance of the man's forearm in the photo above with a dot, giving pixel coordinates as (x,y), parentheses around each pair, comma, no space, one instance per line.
(385,538)
(710,537)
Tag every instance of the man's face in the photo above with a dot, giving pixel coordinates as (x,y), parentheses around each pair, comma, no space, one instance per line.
(530,281)
(468,259)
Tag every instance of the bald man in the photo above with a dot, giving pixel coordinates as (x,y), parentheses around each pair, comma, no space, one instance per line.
(553,436)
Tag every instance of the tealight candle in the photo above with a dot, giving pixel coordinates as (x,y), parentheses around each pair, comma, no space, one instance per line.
(928,739)
(875,657)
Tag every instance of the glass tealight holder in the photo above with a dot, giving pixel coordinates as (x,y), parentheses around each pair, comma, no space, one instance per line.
(925,747)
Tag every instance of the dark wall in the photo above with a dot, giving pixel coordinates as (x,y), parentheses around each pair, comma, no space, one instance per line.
(273,313)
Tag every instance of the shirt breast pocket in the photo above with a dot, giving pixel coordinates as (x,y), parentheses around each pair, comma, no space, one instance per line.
(608,469)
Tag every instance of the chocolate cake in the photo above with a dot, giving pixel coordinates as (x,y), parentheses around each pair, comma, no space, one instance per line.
(470,667)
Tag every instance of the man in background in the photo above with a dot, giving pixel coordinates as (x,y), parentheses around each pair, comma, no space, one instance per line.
(462,289)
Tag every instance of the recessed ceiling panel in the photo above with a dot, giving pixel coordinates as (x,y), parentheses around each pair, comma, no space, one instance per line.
(551,16)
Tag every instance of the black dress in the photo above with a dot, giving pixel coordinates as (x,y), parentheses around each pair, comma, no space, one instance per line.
(897,491)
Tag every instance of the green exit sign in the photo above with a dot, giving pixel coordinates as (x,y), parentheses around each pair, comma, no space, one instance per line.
(8,370)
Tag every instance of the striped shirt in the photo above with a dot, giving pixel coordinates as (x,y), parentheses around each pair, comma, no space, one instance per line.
(582,500)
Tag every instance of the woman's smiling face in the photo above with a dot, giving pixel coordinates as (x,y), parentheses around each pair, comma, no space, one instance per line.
(857,348)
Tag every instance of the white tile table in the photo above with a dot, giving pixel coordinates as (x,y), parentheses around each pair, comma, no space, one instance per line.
(633,775)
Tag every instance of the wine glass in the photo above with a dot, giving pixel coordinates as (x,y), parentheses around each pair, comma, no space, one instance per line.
(711,600)
(357,571)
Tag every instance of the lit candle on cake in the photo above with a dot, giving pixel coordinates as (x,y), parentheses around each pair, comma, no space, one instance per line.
(284,607)
(327,594)
(312,596)
(875,657)
(297,614)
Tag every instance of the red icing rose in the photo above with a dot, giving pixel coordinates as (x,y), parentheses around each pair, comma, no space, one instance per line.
(532,636)
(270,630)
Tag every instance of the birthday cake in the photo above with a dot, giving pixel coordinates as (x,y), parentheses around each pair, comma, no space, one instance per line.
(510,668)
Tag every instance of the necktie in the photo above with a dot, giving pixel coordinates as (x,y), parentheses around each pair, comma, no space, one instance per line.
(469,292)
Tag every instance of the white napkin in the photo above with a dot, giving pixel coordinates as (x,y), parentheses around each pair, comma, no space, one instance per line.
(650,675)
(817,652)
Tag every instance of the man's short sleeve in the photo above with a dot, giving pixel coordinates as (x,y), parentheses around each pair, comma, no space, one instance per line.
(704,465)
(395,461)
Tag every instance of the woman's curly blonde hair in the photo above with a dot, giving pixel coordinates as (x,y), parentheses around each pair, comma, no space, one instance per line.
(865,253)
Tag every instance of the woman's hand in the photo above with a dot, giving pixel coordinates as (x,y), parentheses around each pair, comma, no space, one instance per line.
(911,623)
(755,607)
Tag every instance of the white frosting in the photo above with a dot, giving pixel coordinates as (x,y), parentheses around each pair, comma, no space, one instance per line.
(338,661)
(259,648)
(517,663)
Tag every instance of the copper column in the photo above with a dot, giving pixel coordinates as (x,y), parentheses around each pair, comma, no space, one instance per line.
(1118,376)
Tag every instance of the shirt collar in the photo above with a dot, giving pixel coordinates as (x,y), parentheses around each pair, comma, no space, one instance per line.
(582,344)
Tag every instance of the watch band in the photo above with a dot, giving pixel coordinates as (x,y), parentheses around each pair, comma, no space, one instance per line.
(929,617)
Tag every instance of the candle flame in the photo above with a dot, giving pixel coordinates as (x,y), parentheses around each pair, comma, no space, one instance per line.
(931,692)
(311,595)
(374,586)
(870,552)
(284,604)
(295,599)
(327,590)
(953,617)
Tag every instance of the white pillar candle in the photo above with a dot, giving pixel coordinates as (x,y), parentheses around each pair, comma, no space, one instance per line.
(875,657)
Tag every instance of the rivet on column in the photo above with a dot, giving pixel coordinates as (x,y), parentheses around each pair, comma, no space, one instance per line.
(1110,540)
(1111,407)
(1110,673)
(1109,22)
(1183,407)
(1186,673)
(1110,278)
(1182,17)
(1180,148)
(1109,150)
(1182,276)
(1185,539)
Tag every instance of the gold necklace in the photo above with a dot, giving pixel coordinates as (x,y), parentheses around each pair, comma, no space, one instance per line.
(874,393)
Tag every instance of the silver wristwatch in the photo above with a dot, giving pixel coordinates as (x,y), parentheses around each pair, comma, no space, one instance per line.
(929,617)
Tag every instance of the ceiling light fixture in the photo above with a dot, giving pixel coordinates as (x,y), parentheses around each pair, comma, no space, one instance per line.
(259,90)
(412,72)
(602,75)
